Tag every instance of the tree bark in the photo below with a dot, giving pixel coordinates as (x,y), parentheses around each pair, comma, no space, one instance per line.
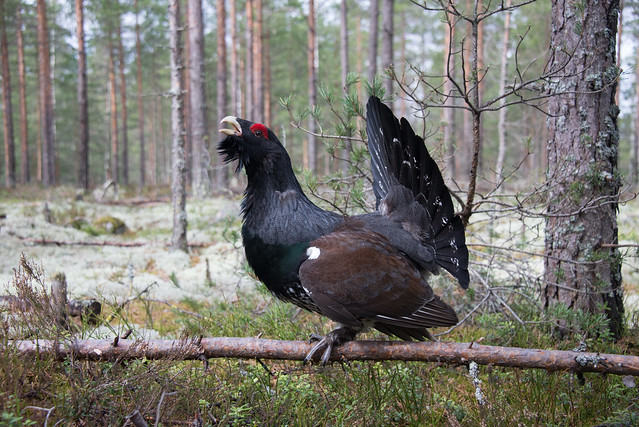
(45,97)
(634,159)
(235,72)
(123,109)
(450,71)
(221,175)
(22,94)
(9,142)
(197,100)
(178,166)
(581,272)
(373,36)
(113,171)
(250,348)
(82,150)
(313,63)
(387,43)
(257,45)
(501,123)
(248,64)
(138,64)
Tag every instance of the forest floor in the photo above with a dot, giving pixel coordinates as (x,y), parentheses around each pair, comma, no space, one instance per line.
(71,236)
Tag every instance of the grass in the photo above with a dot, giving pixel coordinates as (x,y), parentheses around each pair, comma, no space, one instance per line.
(250,392)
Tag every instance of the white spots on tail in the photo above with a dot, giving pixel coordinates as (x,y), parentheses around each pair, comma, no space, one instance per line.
(313,252)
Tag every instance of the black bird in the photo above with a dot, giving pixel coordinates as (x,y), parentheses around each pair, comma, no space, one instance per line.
(360,271)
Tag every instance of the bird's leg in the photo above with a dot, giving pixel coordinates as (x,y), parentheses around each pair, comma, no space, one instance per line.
(335,337)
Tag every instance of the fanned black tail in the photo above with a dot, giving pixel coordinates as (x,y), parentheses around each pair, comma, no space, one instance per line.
(399,157)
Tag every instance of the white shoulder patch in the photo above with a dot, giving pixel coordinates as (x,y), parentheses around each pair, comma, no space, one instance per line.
(313,252)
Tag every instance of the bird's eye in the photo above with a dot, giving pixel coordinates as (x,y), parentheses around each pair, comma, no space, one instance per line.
(259,130)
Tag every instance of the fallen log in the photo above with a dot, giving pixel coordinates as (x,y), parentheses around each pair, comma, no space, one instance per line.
(254,348)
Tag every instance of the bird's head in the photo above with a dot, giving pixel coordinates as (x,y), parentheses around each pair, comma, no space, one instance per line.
(254,145)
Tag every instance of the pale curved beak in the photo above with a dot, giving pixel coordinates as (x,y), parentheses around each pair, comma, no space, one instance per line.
(237,129)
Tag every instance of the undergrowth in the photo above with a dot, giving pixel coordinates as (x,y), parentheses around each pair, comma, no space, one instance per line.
(42,390)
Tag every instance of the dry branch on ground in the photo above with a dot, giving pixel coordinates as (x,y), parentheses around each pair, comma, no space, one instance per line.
(252,348)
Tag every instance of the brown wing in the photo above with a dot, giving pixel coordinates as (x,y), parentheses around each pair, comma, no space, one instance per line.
(357,277)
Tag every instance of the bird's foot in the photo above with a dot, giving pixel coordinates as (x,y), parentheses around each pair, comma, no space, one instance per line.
(335,337)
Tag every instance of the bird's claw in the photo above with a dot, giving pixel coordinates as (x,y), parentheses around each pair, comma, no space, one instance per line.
(333,338)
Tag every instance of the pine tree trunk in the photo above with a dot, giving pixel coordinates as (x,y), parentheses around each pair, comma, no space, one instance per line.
(186,78)
(45,97)
(501,122)
(581,271)
(373,36)
(235,72)
(257,114)
(450,136)
(178,164)
(138,64)
(113,172)
(312,85)
(221,80)
(82,150)
(9,142)
(123,110)
(248,64)
(197,100)
(634,157)
(387,43)
(22,93)
(343,49)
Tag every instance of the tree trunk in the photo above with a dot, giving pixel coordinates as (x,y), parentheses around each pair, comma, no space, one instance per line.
(248,65)
(450,71)
(634,158)
(235,72)
(197,100)
(82,150)
(113,172)
(343,49)
(387,43)
(22,93)
(501,123)
(138,64)
(178,166)
(373,36)
(186,76)
(581,272)
(313,62)
(9,143)
(222,95)
(123,109)
(45,97)
(257,44)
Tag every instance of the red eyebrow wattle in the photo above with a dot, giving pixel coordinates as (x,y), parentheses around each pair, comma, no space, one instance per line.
(260,127)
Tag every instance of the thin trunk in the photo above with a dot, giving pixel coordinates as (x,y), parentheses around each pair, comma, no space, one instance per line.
(248,65)
(82,151)
(186,75)
(9,143)
(22,93)
(153,150)
(267,79)
(138,63)
(46,97)
(634,158)
(123,110)
(343,49)
(582,270)
(222,95)
(479,52)
(501,124)
(387,44)
(450,71)
(358,49)
(113,114)
(258,57)
(197,100)
(235,45)
(178,167)
(312,84)
(373,36)
(619,38)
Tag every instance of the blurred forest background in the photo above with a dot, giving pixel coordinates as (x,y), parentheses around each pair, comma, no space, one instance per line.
(266,54)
